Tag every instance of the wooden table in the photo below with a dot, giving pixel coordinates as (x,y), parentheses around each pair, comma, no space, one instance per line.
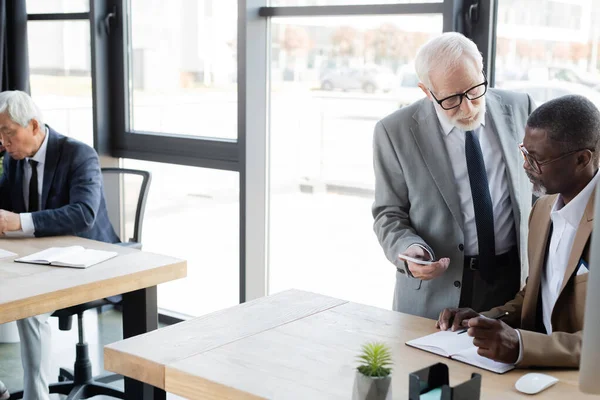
(293,345)
(27,289)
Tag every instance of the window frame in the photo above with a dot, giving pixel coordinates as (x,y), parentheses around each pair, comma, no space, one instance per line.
(249,154)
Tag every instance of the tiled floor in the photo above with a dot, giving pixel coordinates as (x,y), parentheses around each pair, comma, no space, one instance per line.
(100,329)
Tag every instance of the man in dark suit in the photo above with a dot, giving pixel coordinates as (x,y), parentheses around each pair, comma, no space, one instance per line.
(51,185)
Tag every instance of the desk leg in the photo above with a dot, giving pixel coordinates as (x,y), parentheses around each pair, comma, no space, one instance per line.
(140,315)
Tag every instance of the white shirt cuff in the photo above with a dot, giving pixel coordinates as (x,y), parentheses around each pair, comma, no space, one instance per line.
(520,358)
(27,227)
(424,248)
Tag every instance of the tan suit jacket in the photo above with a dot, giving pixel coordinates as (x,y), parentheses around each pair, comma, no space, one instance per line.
(563,347)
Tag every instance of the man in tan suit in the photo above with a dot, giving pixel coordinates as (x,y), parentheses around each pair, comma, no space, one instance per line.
(543,325)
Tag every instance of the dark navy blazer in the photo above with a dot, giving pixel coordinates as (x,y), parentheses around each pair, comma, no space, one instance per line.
(72,195)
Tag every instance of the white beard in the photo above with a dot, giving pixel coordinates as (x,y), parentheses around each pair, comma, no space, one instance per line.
(538,190)
(472,124)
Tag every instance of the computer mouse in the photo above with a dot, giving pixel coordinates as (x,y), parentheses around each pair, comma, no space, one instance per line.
(534,382)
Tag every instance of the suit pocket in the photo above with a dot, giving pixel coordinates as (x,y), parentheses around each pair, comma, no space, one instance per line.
(579,294)
(407,281)
(580,278)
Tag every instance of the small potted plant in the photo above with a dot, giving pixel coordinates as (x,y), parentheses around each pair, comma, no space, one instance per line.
(373,376)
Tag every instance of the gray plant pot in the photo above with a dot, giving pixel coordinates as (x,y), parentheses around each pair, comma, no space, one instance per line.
(369,388)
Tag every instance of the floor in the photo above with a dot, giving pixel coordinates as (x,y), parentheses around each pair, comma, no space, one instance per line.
(100,329)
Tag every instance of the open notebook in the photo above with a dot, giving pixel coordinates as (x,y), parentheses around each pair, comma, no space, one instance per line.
(458,347)
(72,256)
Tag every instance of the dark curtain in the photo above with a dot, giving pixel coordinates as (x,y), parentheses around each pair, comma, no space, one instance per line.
(14,62)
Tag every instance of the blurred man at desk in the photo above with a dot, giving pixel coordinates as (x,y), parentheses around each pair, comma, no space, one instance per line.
(561,158)
(449,185)
(51,185)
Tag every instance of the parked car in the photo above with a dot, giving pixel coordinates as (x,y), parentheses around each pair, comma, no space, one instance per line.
(409,91)
(573,75)
(542,91)
(368,79)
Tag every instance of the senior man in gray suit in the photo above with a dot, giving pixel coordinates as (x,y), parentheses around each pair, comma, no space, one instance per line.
(449,186)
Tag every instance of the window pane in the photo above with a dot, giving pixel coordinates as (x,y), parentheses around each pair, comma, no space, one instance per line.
(288,3)
(332,79)
(549,49)
(57,6)
(183,64)
(193,214)
(61,84)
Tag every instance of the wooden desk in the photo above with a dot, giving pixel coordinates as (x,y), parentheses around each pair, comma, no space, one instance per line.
(293,345)
(27,289)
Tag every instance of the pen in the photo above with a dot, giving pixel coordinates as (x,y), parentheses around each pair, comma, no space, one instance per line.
(496,317)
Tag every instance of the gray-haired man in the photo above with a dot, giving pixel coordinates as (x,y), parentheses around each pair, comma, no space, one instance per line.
(51,185)
(449,183)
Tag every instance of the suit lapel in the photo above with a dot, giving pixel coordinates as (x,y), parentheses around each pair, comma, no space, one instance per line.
(500,118)
(581,237)
(52,156)
(428,136)
(538,244)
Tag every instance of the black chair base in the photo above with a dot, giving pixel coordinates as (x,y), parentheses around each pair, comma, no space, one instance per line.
(80,384)
(95,387)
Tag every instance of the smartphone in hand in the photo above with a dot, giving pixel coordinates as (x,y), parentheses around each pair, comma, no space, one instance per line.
(415,260)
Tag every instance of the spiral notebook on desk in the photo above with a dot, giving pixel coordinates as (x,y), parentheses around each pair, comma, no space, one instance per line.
(458,347)
(71,256)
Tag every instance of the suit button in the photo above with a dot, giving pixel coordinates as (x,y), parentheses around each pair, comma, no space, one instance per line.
(457,284)
(461,247)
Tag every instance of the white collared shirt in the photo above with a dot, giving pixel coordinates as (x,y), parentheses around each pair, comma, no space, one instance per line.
(27,226)
(565,221)
(504,224)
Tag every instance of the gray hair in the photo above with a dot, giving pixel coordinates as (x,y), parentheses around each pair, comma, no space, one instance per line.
(445,52)
(571,121)
(20,107)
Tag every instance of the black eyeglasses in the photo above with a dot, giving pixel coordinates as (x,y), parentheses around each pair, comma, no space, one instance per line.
(535,165)
(455,100)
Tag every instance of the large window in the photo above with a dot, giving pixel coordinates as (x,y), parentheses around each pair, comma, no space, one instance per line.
(60,67)
(57,6)
(332,79)
(183,67)
(193,214)
(549,54)
(287,3)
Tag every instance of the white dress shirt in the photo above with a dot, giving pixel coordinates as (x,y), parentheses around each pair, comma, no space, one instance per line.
(504,224)
(27,227)
(565,221)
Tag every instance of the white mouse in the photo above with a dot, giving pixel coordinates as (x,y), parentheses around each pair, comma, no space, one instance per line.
(534,382)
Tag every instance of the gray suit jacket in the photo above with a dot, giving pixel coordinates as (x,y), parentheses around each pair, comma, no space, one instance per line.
(416,200)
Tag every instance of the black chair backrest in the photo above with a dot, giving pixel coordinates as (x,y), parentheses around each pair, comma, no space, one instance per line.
(142,197)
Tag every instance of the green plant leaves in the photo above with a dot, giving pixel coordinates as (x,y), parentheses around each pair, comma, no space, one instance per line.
(376,360)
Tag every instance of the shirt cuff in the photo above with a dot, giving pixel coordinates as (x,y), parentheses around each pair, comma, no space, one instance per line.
(27,226)
(424,248)
(406,264)
(520,358)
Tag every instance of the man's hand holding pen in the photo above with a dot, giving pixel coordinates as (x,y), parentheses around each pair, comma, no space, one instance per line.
(493,338)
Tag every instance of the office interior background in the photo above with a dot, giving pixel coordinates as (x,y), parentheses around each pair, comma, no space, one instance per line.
(255,119)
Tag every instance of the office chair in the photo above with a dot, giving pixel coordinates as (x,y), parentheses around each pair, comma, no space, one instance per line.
(79,383)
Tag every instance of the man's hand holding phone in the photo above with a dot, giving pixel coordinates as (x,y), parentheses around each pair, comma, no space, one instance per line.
(420,264)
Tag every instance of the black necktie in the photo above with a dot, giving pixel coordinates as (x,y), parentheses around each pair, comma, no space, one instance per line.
(482,204)
(34,198)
